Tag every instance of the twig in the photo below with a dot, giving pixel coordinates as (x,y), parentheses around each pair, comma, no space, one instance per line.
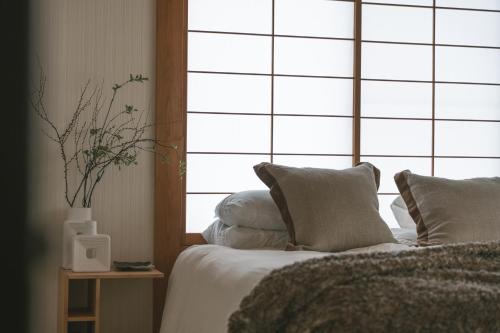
(98,142)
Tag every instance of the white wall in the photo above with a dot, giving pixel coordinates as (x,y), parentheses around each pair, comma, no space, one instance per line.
(103,40)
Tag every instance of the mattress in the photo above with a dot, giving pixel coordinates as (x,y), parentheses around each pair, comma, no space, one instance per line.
(208,282)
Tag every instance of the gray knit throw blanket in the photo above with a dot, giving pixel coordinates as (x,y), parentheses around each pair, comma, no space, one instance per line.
(453,288)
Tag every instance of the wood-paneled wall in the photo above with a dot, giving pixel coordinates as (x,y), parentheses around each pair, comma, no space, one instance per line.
(104,40)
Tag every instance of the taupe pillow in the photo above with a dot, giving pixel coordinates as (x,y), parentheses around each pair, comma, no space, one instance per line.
(327,210)
(450,211)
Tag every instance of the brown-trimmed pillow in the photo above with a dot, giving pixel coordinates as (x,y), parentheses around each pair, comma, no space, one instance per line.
(327,210)
(451,211)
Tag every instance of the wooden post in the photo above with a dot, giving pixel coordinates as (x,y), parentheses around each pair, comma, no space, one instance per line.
(171,101)
(62,314)
(97,305)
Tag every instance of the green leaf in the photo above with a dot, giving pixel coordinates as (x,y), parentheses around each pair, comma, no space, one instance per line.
(94,131)
(182,168)
(129,108)
(138,78)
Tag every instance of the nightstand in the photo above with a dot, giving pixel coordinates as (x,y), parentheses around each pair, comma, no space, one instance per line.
(86,319)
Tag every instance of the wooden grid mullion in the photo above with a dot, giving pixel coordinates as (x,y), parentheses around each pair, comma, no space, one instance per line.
(272,84)
(258,34)
(341,155)
(348,78)
(433,6)
(340,116)
(356,128)
(433,87)
(273,35)
(229,193)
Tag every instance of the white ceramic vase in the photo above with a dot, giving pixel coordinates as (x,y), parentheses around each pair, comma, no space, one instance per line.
(78,222)
(79,214)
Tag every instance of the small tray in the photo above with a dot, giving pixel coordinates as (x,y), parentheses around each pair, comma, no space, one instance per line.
(133,265)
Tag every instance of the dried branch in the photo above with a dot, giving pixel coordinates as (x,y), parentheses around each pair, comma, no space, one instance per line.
(107,137)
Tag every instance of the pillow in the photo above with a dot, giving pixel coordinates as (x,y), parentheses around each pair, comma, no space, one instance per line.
(405,236)
(327,210)
(244,238)
(449,211)
(253,209)
(401,213)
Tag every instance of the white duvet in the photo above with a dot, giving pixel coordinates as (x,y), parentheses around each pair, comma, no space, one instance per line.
(208,283)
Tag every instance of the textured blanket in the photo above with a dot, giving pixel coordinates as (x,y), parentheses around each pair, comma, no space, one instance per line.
(453,288)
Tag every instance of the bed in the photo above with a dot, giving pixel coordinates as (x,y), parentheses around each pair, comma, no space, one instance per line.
(383,288)
(341,268)
(208,282)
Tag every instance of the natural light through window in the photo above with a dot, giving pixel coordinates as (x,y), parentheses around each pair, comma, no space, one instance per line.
(273,81)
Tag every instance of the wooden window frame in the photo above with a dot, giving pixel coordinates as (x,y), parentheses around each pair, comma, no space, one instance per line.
(170,237)
(170,118)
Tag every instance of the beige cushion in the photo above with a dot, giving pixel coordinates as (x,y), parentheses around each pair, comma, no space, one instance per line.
(327,210)
(449,211)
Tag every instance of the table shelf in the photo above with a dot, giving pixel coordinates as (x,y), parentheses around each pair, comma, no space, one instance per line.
(87,318)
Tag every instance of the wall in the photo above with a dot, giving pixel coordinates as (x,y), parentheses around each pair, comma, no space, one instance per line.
(103,40)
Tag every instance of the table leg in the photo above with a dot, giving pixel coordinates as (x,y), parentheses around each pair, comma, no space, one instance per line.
(62,320)
(97,305)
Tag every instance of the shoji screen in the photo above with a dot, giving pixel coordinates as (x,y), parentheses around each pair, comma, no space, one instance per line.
(396,92)
(272,80)
(267,81)
(467,89)
(430,98)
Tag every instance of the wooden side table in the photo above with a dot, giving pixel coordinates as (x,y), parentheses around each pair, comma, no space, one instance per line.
(87,319)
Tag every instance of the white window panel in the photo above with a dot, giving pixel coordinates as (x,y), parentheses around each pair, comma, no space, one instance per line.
(461,27)
(461,101)
(389,166)
(396,137)
(464,138)
(318,18)
(404,2)
(324,162)
(231,15)
(460,64)
(200,210)
(396,99)
(384,202)
(228,133)
(464,168)
(229,93)
(312,135)
(223,173)
(229,53)
(397,24)
(401,62)
(305,56)
(300,95)
(473,4)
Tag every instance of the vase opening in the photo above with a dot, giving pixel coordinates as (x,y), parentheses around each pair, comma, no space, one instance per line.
(79,214)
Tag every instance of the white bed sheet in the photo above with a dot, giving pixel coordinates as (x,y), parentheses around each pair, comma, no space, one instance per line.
(208,283)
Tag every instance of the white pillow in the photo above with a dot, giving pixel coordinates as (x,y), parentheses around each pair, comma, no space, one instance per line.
(244,238)
(405,236)
(252,209)
(401,214)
